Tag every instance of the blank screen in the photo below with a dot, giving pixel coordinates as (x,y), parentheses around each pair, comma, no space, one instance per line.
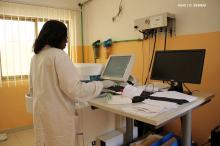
(178,65)
(116,66)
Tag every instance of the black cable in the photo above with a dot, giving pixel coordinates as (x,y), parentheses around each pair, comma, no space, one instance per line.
(119,11)
(189,91)
(165,40)
(143,64)
(155,39)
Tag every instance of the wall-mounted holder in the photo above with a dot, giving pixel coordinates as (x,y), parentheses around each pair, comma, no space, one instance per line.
(108,44)
(96,45)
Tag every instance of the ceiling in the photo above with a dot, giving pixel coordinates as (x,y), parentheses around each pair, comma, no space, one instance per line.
(66,4)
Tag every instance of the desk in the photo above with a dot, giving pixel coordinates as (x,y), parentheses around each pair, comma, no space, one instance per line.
(183,111)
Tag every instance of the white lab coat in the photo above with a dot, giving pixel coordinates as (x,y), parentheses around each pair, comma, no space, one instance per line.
(55,84)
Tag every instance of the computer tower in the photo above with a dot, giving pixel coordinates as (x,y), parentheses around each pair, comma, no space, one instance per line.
(113,138)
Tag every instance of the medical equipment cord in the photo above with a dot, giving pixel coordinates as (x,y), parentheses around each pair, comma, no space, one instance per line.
(151,61)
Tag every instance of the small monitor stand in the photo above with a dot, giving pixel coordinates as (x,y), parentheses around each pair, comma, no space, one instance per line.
(176,86)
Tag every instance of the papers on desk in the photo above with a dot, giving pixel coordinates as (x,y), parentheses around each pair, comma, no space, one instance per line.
(175,95)
(155,87)
(131,91)
(118,99)
(162,104)
(150,108)
(145,110)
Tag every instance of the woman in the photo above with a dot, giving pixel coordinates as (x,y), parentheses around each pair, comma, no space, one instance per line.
(54,84)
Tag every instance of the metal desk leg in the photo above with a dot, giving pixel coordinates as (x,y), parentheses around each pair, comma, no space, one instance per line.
(186,127)
(129,130)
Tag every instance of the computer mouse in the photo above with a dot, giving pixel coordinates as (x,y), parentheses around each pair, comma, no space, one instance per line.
(138,99)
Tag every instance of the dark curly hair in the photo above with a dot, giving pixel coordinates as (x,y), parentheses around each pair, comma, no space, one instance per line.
(53,33)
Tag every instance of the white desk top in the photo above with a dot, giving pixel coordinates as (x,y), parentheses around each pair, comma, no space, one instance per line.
(158,120)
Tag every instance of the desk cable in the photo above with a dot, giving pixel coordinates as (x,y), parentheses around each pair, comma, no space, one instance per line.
(189,91)
(152,56)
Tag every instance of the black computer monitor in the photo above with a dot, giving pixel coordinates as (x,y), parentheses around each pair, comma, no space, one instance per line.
(178,66)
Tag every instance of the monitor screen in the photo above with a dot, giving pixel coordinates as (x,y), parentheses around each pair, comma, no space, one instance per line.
(118,67)
(178,65)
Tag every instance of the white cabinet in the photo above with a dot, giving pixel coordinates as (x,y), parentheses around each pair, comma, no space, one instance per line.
(93,123)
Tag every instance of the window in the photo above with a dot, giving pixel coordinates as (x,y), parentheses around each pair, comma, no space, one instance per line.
(16,41)
(17,36)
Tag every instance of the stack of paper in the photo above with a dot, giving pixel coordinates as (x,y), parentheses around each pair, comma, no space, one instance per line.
(150,108)
(131,91)
(156,86)
(162,104)
(143,110)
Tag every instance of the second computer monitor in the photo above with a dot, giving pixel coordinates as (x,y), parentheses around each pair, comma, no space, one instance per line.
(118,67)
(183,66)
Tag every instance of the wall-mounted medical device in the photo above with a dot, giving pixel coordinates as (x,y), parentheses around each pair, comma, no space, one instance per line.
(163,20)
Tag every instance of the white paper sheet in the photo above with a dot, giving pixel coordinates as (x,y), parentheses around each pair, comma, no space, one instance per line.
(131,91)
(155,86)
(162,104)
(145,110)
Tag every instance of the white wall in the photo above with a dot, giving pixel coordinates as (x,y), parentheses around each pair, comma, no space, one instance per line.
(98,17)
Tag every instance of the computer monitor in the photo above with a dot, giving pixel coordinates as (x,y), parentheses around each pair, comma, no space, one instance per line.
(178,66)
(118,67)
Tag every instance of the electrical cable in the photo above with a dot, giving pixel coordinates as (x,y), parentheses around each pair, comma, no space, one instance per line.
(143,64)
(165,40)
(189,91)
(149,53)
(155,39)
(119,11)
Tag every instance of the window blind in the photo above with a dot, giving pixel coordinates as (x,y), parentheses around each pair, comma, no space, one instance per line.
(19,27)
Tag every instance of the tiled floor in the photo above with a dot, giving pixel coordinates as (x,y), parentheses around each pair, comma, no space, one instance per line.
(21,138)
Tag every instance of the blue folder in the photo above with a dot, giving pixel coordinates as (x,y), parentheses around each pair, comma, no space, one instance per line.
(165,139)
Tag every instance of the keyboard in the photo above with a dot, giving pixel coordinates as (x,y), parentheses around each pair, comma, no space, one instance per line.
(116,88)
(106,91)
(112,90)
